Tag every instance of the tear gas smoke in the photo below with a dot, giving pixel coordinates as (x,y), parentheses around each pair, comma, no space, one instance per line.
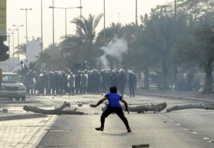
(115,50)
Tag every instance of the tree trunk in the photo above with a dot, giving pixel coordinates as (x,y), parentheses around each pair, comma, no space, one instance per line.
(145,108)
(175,74)
(208,79)
(191,106)
(57,111)
(165,64)
(165,81)
(146,78)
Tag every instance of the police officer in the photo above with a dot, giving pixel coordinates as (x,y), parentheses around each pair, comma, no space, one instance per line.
(132,83)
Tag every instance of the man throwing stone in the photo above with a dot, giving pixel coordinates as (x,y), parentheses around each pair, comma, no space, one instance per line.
(113,106)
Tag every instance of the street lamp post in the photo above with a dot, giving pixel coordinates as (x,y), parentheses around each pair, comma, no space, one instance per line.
(175,10)
(136,13)
(118,17)
(53,19)
(136,23)
(104,19)
(8,42)
(65,8)
(26,10)
(41,25)
(12,33)
(80,8)
(18,37)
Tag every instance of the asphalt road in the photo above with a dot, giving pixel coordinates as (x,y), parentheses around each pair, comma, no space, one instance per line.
(191,128)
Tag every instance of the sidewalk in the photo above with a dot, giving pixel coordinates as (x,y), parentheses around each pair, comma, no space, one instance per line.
(20,129)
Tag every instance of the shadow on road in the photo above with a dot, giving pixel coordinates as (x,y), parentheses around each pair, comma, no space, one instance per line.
(116,134)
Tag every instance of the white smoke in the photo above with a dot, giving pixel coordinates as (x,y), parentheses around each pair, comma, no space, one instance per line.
(115,50)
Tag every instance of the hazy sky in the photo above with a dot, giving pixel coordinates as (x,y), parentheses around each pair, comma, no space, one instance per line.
(122,11)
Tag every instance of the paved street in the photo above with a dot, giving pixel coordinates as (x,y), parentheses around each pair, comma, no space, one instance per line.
(185,128)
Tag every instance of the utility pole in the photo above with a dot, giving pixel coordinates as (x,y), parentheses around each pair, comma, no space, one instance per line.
(26,11)
(65,9)
(175,28)
(118,17)
(18,38)
(80,8)
(53,20)
(104,27)
(41,26)
(12,33)
(136,23)
(136,13)
(175,9)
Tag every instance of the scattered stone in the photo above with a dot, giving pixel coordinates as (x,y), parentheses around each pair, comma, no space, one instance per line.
(4,110)
(211,141)
(80,104)
(140,145)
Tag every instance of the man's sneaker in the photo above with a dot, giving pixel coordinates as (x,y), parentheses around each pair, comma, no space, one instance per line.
(99,128)
(129,130)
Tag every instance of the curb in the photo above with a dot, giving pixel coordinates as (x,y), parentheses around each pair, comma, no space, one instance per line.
(178,97)
(35,140)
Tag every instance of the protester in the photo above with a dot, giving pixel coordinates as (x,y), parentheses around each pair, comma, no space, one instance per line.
(113,107)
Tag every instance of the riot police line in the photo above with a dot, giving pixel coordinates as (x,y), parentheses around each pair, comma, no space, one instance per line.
(81,82)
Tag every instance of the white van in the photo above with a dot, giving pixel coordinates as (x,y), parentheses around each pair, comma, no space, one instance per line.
(12,87)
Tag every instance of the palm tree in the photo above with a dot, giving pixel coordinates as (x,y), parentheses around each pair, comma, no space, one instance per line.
(82,44)
(22,48)
(51,58)
(115,30)
(74,48)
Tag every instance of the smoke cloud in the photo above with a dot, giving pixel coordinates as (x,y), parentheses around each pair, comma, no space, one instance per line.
(116,49)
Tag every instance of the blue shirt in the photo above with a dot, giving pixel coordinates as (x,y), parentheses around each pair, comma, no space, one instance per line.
(113,99)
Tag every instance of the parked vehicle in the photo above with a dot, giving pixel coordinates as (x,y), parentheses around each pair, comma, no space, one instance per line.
(12,87)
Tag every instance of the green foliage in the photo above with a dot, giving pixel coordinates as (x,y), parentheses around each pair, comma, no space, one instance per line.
(51,59)
(74,48)
(163,42)
(115,30)
(197,45)
(197,10)
(82,46)
(21,49)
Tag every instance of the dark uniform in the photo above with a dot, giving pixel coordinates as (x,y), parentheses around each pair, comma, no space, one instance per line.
(121,81)
(132,84)
(77,82)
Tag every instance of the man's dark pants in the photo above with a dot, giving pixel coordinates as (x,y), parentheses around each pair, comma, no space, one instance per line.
(118,111)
